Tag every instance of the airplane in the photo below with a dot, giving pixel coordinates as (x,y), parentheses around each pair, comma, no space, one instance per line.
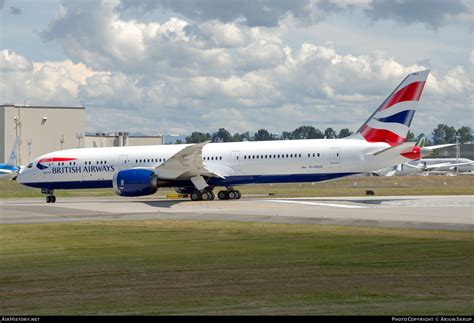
(9,170)
(197,169)
(463,165)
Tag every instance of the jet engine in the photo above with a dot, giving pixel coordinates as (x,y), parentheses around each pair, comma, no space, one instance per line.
(135,182)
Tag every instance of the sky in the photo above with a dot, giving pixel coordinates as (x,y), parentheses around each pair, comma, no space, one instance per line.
(177,66)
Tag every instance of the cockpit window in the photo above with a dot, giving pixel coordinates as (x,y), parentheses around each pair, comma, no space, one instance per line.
(29,165)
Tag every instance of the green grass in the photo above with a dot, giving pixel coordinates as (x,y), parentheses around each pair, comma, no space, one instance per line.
(351,186)
(170,267)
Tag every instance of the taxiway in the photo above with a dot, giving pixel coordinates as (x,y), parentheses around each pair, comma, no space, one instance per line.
(423,212)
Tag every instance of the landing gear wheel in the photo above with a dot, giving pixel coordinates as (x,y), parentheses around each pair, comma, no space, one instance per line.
(206,196)
(238,195)
(222,195)
(232,195)
(196,196)
(50,199)
(213,196)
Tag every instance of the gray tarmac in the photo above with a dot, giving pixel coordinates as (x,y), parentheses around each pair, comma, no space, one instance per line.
(420,212)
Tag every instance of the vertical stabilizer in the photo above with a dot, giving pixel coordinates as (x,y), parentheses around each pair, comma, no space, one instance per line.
(392,119)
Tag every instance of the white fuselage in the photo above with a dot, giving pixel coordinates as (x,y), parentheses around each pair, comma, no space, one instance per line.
(239,163)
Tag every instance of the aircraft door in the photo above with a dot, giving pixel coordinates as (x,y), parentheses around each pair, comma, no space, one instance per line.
(335,155)
(123,162)
(234,158)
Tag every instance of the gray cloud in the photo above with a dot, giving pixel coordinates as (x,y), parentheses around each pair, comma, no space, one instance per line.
(433,13)
(15,11)
(265,13)
(185,73)
(2,4)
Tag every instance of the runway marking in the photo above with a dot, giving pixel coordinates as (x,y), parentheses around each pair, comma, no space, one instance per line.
(319,204)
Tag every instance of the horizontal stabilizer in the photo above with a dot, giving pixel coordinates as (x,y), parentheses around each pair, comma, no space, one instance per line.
(395,150)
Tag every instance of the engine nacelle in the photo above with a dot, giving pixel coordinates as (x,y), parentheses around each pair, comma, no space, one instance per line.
(135,182)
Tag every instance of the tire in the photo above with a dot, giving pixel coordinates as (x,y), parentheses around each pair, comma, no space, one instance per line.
(213,196)
(232,195)
(53,199)
(206,196)
(48,199)
(196,196)
(238,195)
(222,195)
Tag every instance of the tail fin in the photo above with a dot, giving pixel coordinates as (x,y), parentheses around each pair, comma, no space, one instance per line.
(12,159)
(391,121)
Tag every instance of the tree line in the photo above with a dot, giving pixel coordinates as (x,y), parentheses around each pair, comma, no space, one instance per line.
(303,132)
(440,135)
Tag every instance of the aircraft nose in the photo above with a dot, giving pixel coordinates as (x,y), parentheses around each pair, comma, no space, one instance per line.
(21,177)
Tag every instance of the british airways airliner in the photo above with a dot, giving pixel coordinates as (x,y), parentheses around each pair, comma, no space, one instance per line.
(196,169)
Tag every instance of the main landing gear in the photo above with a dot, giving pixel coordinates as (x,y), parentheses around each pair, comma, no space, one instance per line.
(202,196)
(230,194)
(208,195)
(50,198)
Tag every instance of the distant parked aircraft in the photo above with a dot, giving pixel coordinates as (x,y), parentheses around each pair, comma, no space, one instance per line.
(10,170)
(429,164)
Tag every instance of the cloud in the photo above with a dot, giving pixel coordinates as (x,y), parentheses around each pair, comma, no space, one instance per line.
(15,11)
(183,73)
(433,13)
(252,13)
(10,61)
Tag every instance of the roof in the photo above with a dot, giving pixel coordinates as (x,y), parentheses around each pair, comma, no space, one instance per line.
(37,107)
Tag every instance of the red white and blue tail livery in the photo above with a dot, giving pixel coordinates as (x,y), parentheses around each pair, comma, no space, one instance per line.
(197,169)
(391,121)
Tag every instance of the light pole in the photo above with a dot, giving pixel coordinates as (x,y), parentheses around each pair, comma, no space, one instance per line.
(61,140)
(79,136)
(17,121)
(29,142)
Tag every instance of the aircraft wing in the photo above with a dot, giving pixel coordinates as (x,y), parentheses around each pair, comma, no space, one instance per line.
(428,150)
(450,165)
(186,164)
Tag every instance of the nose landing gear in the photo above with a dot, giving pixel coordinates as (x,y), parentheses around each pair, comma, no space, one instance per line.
(50,198)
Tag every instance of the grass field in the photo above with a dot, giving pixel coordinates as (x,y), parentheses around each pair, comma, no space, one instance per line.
(168,267)
(351,186)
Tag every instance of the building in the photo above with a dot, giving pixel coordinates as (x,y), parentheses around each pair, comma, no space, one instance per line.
(117,139)
(39,130)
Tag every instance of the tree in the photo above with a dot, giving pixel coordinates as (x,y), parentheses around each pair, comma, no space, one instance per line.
(444,134)
(221,135)
(197,137)
(305,132)
(329,133)
(286,135)
(344,133)
(465,134)
(410,136)
(262,135)
(245,136)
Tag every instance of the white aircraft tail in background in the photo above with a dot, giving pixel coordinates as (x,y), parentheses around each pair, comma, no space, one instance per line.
(10,170)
